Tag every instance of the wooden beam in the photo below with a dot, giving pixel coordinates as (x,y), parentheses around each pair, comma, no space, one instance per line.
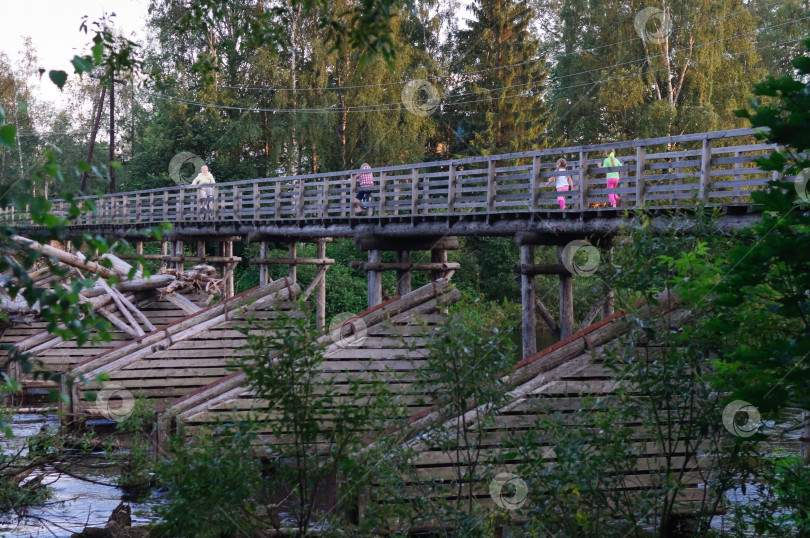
(540,269)
(320,295)
(117,323)
(292,261)
(415,242)
(591,315)
(182,302)
(131,286)
(119,302)
(394,266)
(187,259)
(135,310)
(67,258)
(546,316)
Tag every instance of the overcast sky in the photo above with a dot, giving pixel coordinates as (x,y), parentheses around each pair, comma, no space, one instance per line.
(53,25)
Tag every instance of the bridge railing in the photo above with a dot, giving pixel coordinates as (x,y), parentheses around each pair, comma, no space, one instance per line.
(715,167)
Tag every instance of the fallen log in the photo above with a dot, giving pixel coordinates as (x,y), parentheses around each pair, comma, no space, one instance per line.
(66,257)
(131,286)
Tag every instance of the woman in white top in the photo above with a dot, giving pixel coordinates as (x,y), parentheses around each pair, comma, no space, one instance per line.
(564,182)
(205,192)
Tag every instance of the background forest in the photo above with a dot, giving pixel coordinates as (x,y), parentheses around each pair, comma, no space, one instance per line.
(461,79)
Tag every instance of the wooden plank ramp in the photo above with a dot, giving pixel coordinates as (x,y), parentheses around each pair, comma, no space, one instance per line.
(383,343)
(563,378)
(179,357)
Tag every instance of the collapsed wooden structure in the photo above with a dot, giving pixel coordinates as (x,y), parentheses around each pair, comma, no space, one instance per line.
(570,375)
(183,363)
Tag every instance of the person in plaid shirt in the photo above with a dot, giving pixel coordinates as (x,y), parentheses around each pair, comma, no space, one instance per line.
(365,180)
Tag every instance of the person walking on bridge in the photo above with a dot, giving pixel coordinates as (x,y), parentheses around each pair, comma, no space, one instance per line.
(365,181)
(612,177)
(564,182)
(205,193)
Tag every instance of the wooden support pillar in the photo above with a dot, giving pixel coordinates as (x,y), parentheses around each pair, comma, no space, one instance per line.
(566,302)
(292,255)
(374,279)
(320,291)
(138,250)
(228,270)
(527,297)
(403,276)
(178,251)
(438,256)
(164,251)
(263,269)
(201,249)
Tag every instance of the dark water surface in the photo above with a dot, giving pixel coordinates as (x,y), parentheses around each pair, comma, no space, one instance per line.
(74,503)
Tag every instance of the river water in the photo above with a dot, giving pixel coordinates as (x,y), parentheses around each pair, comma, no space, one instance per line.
(74,503)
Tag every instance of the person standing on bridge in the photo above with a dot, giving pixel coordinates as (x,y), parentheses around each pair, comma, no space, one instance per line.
(564,182)
(365,181)
(205,193)
(612,177)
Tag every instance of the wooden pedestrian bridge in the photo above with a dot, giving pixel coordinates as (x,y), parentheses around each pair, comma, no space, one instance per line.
(177,349)
(496,195)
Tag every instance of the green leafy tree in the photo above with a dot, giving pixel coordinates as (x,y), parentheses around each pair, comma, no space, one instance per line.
(498,58)
(627,71)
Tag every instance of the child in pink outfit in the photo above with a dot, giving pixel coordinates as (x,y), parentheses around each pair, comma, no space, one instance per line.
(564,182)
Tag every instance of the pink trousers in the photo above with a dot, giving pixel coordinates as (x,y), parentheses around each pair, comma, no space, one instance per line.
(612,183)
(561,199)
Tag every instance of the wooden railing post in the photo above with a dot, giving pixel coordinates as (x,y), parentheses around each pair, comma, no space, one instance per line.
(277,199)
(583,180)
(641,162)
(180,202)
(705,170)
(301,191)
(256,202)
(737,190)
(414,192)
(451,189)
(165,211)
(325,209)
(383,177)
(491,187)
(237,207)
(352,190)
(535,192)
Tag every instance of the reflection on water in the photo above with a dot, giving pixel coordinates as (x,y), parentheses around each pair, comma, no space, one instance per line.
(74,503)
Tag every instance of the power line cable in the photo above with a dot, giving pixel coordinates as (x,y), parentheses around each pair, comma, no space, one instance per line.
(518,64)
(387,107)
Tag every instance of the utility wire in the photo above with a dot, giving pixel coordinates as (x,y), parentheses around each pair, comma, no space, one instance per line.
(508,66)
(388,107)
